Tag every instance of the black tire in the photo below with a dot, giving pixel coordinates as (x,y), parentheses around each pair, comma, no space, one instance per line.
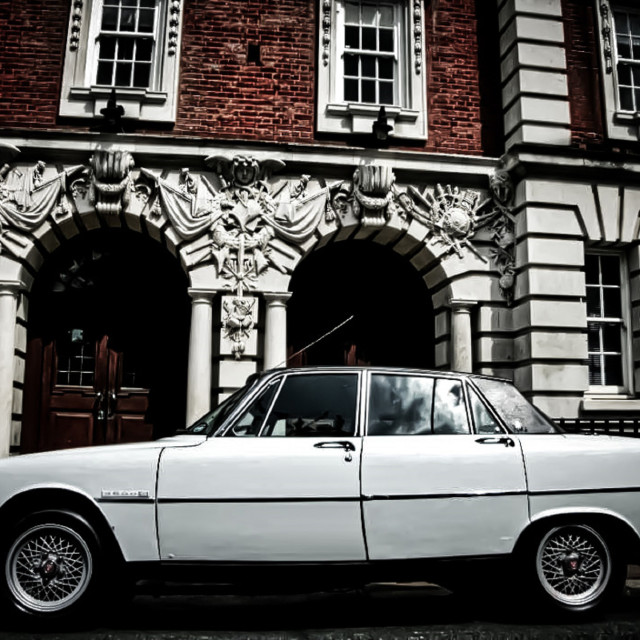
(51,567)
(576,570)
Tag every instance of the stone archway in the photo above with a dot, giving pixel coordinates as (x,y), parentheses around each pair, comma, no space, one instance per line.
(107,343)
(393,320)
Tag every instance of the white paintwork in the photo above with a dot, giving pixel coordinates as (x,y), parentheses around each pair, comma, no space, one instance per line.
(441,465)
(87,471)
(8,310)
(274,470)
(275,330)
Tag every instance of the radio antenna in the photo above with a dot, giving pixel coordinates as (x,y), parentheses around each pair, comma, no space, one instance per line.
(311,344)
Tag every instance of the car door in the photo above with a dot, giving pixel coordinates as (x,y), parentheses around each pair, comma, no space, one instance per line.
(280,484)
(432,484)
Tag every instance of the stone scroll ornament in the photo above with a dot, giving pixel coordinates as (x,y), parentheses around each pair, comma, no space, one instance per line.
(452,215)
(27,198)
(243,215)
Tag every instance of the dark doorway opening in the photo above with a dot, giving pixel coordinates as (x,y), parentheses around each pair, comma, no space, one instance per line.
(108,340)
(393,322)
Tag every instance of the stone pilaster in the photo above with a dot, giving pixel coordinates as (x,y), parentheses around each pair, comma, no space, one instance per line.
(9,292)
(461,337)
(275,330)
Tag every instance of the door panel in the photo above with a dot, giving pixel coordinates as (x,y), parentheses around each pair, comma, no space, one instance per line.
(260,499)
(70,429)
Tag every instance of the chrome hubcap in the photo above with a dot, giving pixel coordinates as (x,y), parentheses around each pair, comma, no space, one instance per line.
(48,568)
(573,564)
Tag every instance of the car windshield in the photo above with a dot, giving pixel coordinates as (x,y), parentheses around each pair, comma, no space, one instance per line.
(516,411)
(210,422)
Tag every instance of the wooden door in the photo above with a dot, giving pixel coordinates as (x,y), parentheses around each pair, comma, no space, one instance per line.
(91,392)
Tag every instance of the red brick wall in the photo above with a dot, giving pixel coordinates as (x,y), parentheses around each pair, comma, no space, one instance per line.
(583,71)
(223,95)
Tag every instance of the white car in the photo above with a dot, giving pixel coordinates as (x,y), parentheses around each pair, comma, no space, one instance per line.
(333,474)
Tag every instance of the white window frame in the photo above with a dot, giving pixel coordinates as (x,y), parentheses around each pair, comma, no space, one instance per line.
(82,98)
(408,118)
(625,338)
(621,124)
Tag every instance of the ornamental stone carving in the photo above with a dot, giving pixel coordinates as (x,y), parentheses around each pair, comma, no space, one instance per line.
(27,198)
(243,214)
(238,322)
(111,183)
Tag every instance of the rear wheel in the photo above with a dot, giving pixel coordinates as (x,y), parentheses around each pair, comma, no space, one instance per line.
(575,568)
(51,566)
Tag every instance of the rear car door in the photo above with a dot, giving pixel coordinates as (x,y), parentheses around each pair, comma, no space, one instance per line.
(439,476)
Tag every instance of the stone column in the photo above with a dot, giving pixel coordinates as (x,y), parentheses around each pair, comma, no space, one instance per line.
(461,343)
(275,330)
(200,351)
(9,292)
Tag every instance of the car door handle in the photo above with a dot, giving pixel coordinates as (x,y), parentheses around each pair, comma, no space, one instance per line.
(336,444)
(505,440)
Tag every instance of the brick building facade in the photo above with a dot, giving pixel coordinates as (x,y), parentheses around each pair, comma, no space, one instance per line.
(194,191)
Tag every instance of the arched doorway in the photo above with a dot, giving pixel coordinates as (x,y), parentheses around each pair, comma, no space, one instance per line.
(393,319)
(107,343)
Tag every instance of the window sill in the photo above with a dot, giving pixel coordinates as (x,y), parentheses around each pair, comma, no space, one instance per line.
(611,403)
(359,118)
(138,104)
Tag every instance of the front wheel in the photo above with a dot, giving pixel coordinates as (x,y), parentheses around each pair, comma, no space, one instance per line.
(50,566)
(576,570)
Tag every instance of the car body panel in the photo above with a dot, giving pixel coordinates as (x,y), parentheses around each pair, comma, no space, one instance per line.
(261,499)
(423,494)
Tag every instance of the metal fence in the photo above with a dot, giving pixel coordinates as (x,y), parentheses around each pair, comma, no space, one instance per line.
(608,426)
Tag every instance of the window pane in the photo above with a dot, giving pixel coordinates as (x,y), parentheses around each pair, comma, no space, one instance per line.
(593,302)
(128,20)
(612,306)
(125,49)
(624,74)
(620,20)
(368,91)
(610,266)
(611,339)
(141,75)
(129,3)
(123,74)
(352,12)
(386,40)
(107,48)
(105,71)
(369,13)
(109,19)
(386,16)
(624,47)
(368,66)
(386,93)
(315,405)
(595,370)
(482,419)
(385,68)
(592,268)
(350,65)
(147,3)
(613,371)
(593,331)
(145,20)
(400,405)
(352,37)
(636,48)
(449,412)
(369,38)
(626,99)
(351,91)
(252,419)
(144,49)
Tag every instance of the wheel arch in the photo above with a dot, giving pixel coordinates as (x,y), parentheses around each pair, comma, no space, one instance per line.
(66,501)
(609,524)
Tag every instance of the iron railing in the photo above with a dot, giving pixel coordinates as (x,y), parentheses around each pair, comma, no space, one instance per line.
(607,426)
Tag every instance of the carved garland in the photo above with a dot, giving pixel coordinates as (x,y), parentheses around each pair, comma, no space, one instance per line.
(417,34)
(326,31)
(76,24)
(174,22)
(607,50)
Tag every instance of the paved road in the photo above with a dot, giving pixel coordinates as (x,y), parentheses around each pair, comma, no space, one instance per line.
(378,613)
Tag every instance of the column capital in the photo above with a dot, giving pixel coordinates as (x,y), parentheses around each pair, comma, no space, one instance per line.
(201,294)
(461,306)
(272,297)
(10,287)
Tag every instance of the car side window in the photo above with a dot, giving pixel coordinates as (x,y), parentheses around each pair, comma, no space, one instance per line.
(251,421)
(483,421)
(400,405)
(311,405)
(449,412)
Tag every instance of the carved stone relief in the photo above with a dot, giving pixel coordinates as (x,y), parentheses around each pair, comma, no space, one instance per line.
(239,319)
(110,183)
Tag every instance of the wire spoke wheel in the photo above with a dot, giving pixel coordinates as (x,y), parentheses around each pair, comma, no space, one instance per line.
(48,568)
(574,565)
